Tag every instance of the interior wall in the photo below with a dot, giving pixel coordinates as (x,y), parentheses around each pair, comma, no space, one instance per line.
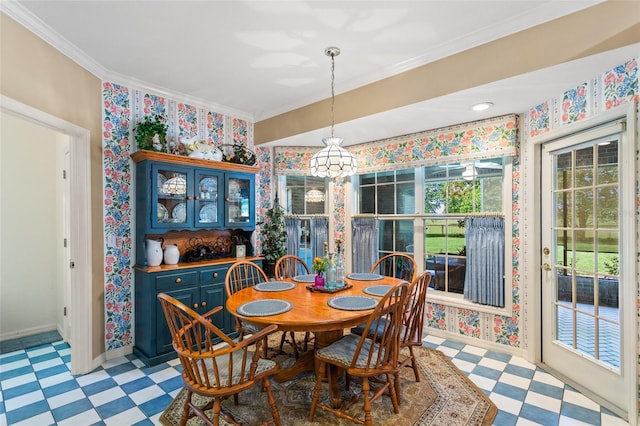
(35,74)
(31,274)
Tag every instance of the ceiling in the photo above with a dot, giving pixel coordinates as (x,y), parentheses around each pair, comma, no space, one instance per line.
(258,59)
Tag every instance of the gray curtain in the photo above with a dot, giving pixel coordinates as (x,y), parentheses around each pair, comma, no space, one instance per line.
(364,243)
(484,279)
(319,235)
(292,226)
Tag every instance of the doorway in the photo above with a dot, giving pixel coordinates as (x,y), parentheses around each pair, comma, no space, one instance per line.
(79,232)
(588,288)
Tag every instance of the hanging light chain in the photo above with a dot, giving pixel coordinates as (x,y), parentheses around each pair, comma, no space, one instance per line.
(333,85)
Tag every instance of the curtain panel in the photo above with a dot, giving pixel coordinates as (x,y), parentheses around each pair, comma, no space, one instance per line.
(292,227)
(364,244)
(319,235)
(484,280)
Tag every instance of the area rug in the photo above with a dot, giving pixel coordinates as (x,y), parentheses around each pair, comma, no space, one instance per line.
(444,396)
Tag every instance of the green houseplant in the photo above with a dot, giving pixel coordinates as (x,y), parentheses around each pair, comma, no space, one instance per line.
(151,134)
(274,236)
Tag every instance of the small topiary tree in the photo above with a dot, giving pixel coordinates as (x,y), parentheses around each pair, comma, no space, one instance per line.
(274,236)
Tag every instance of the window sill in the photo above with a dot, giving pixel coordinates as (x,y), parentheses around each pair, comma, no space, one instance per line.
(458,301)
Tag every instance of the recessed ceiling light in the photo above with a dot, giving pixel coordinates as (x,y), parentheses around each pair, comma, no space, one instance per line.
(482,106)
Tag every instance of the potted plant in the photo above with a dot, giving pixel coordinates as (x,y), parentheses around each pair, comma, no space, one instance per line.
(151,134)
(274,237)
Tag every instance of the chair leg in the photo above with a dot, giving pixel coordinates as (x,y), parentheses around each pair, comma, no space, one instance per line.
(266,384)
(368,420)
(394,390)
(216,412)
(316,390)
(414,365)
(185,409)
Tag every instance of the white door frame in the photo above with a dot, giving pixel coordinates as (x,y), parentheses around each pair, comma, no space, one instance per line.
(532,249)
(80,229)
(66,226)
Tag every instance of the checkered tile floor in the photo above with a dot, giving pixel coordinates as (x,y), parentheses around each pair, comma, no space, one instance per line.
(38,389)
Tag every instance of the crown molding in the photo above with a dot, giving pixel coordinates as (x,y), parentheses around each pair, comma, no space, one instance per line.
(34,24)
(24,17)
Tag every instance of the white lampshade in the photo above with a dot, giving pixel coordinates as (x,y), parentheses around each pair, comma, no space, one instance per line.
(314,196)
(333,160)
(469,173)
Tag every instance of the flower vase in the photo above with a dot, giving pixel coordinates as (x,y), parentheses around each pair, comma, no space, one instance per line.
(319,280)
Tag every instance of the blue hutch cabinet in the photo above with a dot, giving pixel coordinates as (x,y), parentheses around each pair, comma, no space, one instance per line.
(183,201)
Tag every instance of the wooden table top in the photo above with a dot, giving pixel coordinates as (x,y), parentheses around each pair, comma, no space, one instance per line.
(310,311)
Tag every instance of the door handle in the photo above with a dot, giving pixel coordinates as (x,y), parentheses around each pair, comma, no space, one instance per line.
(545,267)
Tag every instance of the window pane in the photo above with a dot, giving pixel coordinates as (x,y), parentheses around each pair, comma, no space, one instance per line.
(607,163)
(367,199)
(584,167)
(386,199)
(368,179)
(405,175)
(434,198)
(406,198)
(563,178)
(384,177)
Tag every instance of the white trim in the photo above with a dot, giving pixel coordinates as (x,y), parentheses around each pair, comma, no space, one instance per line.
(80,232)
(531,250)
(119,352)
(28,332)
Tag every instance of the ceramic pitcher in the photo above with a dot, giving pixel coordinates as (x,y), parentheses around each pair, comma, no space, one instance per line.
(154,251)
(171,254)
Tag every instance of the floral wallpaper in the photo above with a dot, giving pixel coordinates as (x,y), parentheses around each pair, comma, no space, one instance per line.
(615,87)
(240,131)
(187,121)
(214,128)
(122,108)
(118,213)
(264,188)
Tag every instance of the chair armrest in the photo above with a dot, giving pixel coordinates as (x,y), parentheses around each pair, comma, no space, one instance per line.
(259,335)
(210,313)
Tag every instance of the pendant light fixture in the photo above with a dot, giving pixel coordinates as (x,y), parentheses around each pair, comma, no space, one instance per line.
(332,160)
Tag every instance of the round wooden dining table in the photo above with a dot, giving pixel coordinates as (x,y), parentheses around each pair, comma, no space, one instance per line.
(310,312)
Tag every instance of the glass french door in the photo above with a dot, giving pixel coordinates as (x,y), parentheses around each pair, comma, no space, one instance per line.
(582,291)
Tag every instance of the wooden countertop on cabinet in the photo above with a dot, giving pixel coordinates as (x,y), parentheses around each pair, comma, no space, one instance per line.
(185,265)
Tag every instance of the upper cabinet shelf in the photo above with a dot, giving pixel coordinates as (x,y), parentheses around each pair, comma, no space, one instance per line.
(181,193)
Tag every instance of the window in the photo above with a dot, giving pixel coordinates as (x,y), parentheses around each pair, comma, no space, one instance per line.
(446,194)
(452,191)
(305,196)
(390,193)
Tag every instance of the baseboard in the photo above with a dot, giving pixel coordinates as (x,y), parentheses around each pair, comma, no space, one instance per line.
(28,332)
(484,344)
(115,353)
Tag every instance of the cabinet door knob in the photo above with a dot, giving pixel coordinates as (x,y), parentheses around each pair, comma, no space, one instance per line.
(196,198)
(215,275)
(227,199)
(195,306)
(204,304)
(178,280)
(189,197)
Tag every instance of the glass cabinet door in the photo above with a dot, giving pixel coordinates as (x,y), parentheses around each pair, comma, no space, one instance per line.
(171,195)
(240,210)
(207,211)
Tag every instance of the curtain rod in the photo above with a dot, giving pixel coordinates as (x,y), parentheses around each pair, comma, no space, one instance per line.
(427,216)
(306,216)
